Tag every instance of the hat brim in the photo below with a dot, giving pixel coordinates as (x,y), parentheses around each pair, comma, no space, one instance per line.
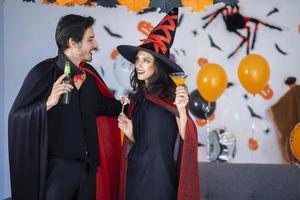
(129,52)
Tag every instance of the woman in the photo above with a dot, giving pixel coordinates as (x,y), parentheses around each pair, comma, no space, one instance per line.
(157,113)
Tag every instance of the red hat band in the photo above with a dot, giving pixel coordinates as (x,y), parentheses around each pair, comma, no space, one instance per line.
(160,41)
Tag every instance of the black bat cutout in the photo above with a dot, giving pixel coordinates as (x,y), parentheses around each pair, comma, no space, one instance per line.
(280,50)
(180,20)
(183,51)
(111,33)
(101,71)
(201,144)
(177,53)
(275,10)
(253,114)
(195,33)
(267,131)
(290,80)
(230,84)
(213,44)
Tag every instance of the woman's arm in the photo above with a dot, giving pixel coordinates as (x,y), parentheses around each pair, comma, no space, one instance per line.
(181,100)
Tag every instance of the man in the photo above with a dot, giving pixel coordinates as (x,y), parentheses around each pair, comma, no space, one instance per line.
(54,149)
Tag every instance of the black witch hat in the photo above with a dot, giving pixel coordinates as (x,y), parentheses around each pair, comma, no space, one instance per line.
(158,43)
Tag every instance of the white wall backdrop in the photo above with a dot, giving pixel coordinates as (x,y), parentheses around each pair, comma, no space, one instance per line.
(29,38)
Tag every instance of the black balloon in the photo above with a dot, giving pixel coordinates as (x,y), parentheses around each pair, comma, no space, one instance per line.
(199,107)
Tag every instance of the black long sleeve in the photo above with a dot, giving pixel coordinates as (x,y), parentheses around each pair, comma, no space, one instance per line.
(107,106)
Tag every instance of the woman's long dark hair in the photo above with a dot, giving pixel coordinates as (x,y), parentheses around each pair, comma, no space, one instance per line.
(159,84)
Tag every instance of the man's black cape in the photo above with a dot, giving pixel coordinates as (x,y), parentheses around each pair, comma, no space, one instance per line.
(27,132)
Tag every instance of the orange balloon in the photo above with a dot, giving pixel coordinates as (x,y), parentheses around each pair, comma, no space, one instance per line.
(202,122)
(254,73)
(295,141)
(211,81)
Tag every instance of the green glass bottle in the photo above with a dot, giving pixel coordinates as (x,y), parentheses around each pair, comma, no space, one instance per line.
(66,97)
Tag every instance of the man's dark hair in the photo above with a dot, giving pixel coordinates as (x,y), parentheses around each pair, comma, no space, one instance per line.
(159,84)
(71,26)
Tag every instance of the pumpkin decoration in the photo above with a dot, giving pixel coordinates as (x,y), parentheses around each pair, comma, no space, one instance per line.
(145,27)
(114,54)
(253,144)
(202,62)
(266,92)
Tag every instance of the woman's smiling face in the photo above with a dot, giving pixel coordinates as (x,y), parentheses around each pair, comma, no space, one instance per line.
(144,66)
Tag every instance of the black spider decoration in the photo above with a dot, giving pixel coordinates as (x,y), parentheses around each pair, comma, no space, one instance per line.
(235,21)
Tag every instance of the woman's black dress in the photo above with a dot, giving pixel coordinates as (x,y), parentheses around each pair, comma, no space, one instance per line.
(152,173)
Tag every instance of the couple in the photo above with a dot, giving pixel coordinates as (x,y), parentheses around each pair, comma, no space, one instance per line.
(74,152)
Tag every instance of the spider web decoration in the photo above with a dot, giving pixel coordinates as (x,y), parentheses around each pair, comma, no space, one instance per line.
(235,22)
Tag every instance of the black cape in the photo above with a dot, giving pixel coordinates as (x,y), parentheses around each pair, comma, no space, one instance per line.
(27,132)
(188,173)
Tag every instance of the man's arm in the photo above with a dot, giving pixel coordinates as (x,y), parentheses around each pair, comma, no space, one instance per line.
(108,106)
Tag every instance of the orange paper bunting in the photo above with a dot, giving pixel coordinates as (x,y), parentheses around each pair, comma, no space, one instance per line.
(197,5)
(135,5)
(80,2)
(70,2)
